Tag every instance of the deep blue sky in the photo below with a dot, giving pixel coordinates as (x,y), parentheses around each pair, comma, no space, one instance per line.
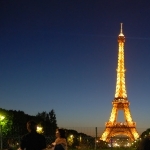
(62,55)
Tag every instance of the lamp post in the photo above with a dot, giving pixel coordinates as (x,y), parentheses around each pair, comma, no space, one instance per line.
(111,142)
(1,118)
(96,138)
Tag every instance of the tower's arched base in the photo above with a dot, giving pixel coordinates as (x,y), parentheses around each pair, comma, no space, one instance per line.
(115,129)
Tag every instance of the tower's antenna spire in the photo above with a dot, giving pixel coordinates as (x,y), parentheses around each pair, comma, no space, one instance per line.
(121,27)
(121,33)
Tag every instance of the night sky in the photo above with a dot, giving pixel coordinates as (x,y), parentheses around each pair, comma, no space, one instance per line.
(62,55)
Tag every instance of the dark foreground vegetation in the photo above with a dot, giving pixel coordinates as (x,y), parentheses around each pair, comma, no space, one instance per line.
(13,127)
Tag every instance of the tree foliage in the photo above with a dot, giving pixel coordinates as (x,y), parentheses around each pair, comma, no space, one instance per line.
(14,123)
(6,123)
(48,122)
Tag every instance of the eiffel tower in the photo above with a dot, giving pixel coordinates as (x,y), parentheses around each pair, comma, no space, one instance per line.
(120,102)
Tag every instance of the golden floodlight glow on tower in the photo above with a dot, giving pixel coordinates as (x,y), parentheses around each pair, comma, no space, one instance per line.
(120,102)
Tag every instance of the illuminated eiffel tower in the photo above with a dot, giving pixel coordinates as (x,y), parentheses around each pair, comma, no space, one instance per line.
(120,102)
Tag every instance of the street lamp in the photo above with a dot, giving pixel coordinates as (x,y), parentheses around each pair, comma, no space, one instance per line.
(1,118)
(39,129)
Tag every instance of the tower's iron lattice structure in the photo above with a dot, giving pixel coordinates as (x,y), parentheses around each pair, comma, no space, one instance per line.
(120,102)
